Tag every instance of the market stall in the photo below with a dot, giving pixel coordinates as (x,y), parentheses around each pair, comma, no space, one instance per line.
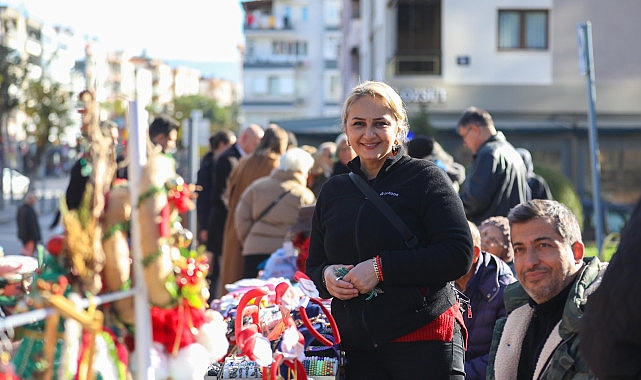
(122,293)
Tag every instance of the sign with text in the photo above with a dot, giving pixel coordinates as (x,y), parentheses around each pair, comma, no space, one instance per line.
(423,95)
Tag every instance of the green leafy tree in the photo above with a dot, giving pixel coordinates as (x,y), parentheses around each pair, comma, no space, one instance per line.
(219,117)
(48,107)
(420,122)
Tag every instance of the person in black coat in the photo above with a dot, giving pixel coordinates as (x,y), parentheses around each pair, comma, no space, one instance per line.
(394,303)
(538,185)
(611,326)
(28,225)
(218,143)
(497,179)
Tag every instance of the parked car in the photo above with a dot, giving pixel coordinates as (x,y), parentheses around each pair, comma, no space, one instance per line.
(615,217)
(16,181)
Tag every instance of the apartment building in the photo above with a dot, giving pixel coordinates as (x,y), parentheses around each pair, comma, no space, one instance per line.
(519,59)
(290,61)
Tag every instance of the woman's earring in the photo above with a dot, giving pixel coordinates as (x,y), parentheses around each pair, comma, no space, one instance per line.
(396,148)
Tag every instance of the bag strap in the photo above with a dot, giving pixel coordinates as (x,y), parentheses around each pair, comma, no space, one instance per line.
(410,240)
(271,205)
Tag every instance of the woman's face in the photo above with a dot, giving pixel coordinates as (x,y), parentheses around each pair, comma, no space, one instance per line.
(371,130)
(493,241)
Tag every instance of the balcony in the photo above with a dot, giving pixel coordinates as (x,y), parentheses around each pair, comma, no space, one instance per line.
(425,64)
(281,61)
(266,22)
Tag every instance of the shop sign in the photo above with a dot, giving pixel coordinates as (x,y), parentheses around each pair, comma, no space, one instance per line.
(423,95)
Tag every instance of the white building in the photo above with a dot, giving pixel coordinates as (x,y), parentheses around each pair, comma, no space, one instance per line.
(519,60)
(290,63)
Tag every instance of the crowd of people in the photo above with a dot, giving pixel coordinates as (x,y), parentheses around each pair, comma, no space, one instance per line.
(479,273)
(434,270)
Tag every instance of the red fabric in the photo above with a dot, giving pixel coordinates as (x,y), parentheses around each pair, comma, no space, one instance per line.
(173,326)
(440,329)
(303,248)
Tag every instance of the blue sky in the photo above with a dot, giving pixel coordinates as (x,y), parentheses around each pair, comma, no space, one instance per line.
(185,30)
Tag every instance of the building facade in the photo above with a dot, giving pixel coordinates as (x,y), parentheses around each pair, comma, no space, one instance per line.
(290,62)
(519,60)
(55,52)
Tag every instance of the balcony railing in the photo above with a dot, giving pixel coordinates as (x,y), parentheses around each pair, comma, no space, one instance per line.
(426,64)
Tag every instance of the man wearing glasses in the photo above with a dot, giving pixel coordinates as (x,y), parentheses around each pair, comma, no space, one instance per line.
(497,179)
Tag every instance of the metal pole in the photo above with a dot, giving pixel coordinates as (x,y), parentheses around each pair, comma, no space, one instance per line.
(587,68)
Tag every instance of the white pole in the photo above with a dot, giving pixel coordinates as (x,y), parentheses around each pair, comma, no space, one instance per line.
(194,162)
(137,154)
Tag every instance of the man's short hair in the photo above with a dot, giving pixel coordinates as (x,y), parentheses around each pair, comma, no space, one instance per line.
(563,219)
(477,116)
(162,125)
(219,137)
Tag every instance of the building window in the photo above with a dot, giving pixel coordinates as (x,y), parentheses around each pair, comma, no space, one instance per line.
(523,29)
(297,48)
(273,85)
(418,37)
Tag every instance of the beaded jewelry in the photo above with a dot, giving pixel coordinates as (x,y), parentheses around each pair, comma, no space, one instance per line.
(342,271)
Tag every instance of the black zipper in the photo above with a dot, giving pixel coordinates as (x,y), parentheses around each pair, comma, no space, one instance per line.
(359,257)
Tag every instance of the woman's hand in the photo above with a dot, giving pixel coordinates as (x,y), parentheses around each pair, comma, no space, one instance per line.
(363,276)
(337,286)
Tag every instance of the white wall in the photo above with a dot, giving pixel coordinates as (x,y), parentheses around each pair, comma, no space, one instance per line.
(470,29)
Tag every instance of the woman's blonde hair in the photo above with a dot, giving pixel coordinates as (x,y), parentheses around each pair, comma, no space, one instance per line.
(388,94)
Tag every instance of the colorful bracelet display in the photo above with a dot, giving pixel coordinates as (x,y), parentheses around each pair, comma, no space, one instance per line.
(320,366)
(240,367)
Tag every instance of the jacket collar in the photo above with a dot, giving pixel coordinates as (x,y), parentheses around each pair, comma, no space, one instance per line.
(498,137)
(486,275)
(390,163)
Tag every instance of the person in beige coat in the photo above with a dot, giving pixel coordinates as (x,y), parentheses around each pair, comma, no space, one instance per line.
(269,207)
(259,164)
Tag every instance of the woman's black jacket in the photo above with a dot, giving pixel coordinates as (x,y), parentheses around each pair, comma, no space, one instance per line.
(348,229)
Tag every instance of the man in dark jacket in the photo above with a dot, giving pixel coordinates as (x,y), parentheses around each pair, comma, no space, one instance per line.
(497,179)
(218,143)
(483,285)
(28,226)
(247,142)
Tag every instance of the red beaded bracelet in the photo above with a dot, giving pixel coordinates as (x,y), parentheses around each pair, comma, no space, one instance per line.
(380,268)
(377,269)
